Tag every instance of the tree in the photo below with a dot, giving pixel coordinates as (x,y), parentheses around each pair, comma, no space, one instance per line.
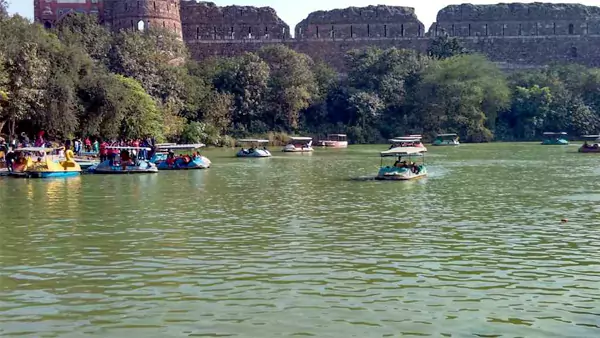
(460,94)
(291,85)
(443,47)
(140,113)
(85,32)
(245,78)
(3,9)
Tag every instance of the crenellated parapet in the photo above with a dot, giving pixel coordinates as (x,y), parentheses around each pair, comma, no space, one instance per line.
(206,21)
(364,22)
(517,19)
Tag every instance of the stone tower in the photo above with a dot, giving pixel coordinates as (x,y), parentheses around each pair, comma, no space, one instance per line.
(145,14)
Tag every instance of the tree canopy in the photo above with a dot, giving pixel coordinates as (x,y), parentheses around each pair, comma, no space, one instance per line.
(79,78)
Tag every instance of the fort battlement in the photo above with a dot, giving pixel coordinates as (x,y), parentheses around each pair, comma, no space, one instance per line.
(517,35)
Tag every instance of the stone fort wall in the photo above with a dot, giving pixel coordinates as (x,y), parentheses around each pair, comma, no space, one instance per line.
(514,35)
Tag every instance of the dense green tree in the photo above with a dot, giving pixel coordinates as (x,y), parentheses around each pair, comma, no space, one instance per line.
(84,31)
(444,46)
(460,94)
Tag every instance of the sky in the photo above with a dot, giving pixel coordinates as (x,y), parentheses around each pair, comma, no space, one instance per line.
(293,12)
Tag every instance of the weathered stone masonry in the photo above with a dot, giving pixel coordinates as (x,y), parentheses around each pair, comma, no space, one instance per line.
(514,35)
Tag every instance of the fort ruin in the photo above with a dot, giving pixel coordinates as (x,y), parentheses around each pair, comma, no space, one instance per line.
(515,35)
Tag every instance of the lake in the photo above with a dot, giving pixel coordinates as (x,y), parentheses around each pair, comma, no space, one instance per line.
(310,245)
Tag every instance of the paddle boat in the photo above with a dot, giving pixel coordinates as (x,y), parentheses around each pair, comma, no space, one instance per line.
(47,167)
(408,141)
(125,163)
(254,150)
(165,158)
(402,170)
(299,145)
(25,158)
(446,140)
(555,139)
(335,141)
(593,147)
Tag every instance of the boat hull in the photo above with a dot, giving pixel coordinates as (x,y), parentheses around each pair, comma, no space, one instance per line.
(106,168)
(400,174)
(255,154)
(51,174)
(446,143)
(555,143)
(297,150)
(591,150)
(198,164)
(334,144)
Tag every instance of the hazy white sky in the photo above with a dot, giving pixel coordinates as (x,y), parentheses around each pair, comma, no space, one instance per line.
(294,11)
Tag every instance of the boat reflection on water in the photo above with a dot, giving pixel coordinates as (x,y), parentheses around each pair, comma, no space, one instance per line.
(61,196)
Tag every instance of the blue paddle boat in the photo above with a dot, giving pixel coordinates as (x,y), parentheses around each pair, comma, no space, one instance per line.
(166,159)
(555,139)
(127,162)
(402,170)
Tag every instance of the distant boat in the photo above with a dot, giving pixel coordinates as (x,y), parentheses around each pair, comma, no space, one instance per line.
(254,150)
(299,145)
(446,140)
(408,141)
(594,147)
(335,141)
(555,139)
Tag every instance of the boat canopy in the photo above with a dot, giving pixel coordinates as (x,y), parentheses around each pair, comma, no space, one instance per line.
(301,138)
(36,150)
(160,145)
(555,134)
(401,151)
(337,135)
(253,140)
(128,148)
(447,135)
(590,136)
(404,139)
(182,146)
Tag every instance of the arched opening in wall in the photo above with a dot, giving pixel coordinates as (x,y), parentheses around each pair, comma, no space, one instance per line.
(368,30)
(266,32)
(571,29)
(453,32)
(318,35)
(351,31)
(214,33)
(47,24)
(385,31)
(154,3)
(504,29)
(402,30)
(486,30)
(469,29)
(554,28)
(141,26)
(249,32)
(283,33)
(198,33)
(574,52)
(419,32)
(520,29)
(333,32)
(586,29)
(232,34)
(164,25)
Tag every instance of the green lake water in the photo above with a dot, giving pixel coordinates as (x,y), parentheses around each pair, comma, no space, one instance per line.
(310,245)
